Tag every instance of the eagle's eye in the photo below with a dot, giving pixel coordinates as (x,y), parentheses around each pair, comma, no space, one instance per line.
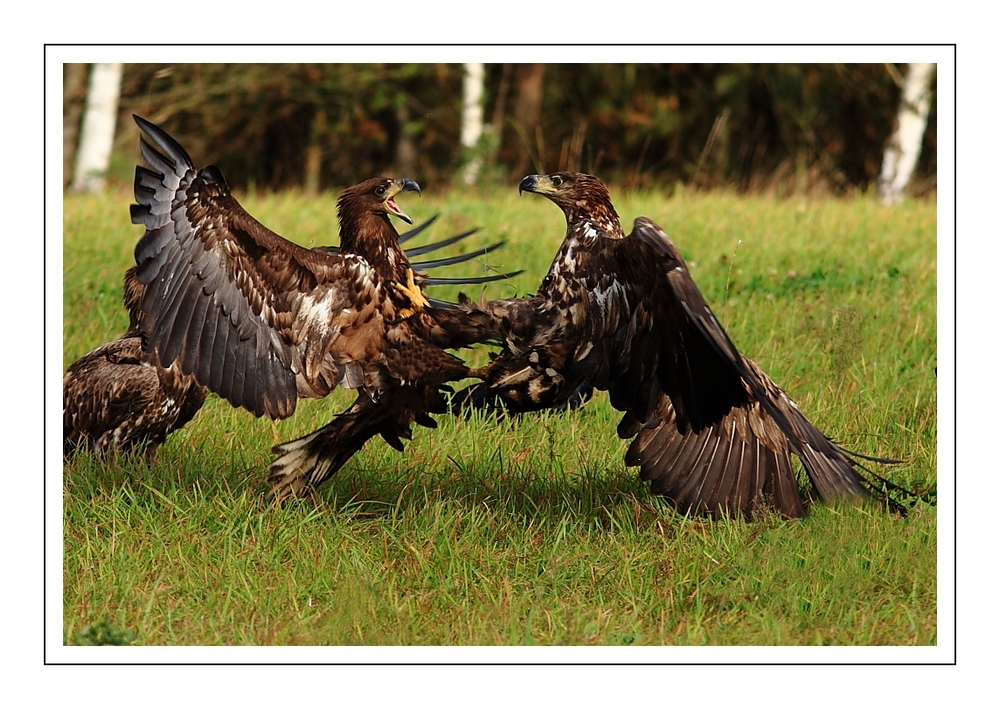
(380,190)
(556,180)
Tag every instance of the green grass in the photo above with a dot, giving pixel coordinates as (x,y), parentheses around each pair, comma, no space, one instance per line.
(531,532)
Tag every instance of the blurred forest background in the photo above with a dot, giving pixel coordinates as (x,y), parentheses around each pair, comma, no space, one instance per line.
(751,128)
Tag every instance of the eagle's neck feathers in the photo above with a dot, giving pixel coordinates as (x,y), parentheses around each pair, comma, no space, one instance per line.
(589,218)
(373,237)
(592,215)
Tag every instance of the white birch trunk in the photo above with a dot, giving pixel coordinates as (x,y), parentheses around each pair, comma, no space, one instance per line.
(472,119)
(98,131)
(901,154)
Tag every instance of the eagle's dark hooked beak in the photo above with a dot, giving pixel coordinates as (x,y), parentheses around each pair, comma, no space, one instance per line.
(528,184)
(407,185)
(401,184)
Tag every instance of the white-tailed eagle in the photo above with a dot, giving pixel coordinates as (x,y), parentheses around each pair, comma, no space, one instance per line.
(621,313)
(263,322)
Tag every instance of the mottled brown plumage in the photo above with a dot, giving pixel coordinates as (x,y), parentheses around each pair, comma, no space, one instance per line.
(264,322)
(116,398)
(620,312)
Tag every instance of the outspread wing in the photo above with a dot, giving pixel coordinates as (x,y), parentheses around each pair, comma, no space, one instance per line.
(656,347)
(727,400)
(252,316)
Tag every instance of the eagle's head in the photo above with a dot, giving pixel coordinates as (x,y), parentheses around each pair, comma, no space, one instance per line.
(375,196)
(581,197)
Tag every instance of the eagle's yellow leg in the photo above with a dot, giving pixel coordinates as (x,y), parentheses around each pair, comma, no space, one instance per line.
(413,293)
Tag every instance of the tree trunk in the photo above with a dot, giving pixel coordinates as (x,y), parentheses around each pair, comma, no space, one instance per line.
(527,115)
(74,96)
(314,153)
(98,132)
(904,146)
(472,120)
(406,147)
(500,105)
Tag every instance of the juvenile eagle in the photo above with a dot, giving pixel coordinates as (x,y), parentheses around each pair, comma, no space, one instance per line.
(710,430)
(117,398)
(263,322)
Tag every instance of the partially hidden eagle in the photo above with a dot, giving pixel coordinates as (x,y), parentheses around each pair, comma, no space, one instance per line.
(621,313)
(263,322)
(116,398)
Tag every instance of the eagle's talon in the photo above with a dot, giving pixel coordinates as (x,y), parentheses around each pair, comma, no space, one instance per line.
(412,292)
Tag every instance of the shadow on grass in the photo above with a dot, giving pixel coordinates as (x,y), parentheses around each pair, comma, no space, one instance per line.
(594,495)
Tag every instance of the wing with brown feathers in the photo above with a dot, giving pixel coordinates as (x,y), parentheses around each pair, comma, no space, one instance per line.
(714,432)
(250,315)
(722,469)
(100,392)
(662,348)
(722,390)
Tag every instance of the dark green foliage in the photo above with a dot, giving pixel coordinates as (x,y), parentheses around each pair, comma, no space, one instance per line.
(781,128)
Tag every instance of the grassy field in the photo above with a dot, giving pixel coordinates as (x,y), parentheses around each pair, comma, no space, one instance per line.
(531,532)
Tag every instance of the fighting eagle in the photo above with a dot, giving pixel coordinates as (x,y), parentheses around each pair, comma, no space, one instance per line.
(621,313)
(116,398)
(263,322)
